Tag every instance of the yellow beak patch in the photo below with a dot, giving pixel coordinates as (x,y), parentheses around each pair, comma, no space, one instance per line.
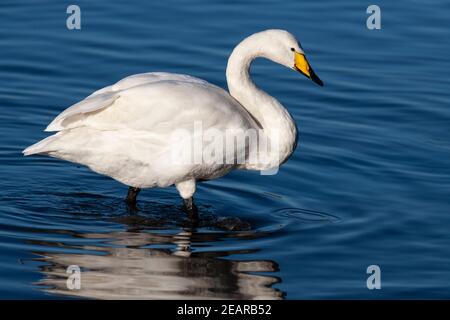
(302,64)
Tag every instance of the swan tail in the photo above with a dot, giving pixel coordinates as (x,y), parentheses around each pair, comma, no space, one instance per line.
(42,147)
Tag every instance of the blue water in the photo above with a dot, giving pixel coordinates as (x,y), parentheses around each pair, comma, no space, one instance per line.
(367,185)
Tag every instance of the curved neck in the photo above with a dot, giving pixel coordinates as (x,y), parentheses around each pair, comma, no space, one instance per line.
(275,120)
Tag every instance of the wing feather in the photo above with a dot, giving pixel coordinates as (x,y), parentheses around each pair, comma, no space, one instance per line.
(105,97)
(78,110)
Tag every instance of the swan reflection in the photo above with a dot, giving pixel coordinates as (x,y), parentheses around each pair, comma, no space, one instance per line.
(161,265)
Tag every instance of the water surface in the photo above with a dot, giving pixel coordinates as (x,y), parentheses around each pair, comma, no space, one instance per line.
(368,183)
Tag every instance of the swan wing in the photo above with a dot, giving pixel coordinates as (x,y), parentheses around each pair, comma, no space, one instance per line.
(155,102)
(105,97)
(80,109)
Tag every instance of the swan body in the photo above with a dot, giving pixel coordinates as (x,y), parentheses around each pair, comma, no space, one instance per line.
(126,130)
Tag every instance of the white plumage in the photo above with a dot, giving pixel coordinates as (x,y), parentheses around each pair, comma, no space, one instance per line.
(125,130)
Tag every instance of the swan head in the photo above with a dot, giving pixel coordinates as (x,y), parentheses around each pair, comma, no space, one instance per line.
(282,47)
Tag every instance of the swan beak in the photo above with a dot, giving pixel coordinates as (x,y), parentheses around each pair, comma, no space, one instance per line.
(302,66)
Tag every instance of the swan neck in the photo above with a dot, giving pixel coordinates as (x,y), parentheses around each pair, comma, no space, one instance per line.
(274,119)
(239,82)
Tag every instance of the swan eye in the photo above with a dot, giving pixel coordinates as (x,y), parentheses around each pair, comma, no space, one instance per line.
(292,49)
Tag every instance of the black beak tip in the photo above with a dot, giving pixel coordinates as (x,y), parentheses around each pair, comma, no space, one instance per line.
(319,82)
(312,76)
(316,79)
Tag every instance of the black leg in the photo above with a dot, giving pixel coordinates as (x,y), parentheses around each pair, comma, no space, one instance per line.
(131,196)
(191,208)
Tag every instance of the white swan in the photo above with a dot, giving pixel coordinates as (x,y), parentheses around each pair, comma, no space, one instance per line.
(126,130)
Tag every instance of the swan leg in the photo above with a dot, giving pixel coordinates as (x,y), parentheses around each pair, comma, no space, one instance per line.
(187,190)
(190,208)
(131,196)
